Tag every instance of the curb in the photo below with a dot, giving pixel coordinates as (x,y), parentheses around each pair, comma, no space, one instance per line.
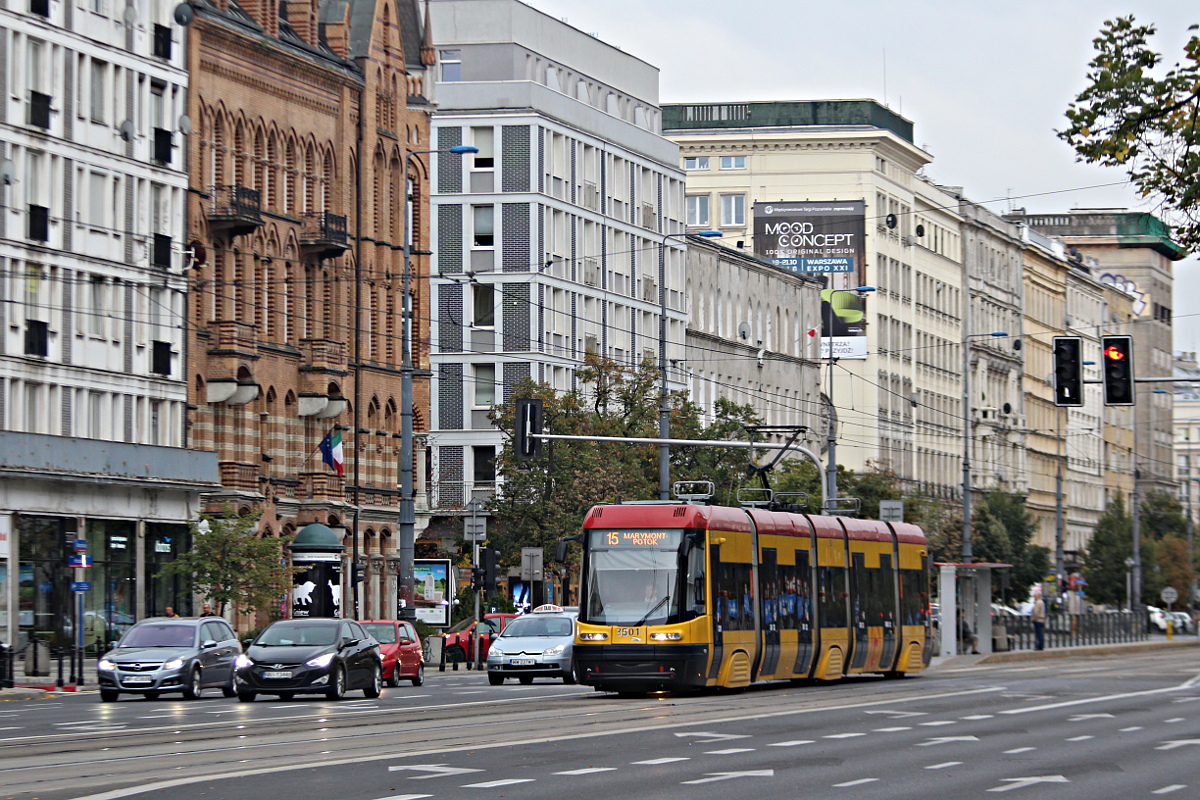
(1066,652)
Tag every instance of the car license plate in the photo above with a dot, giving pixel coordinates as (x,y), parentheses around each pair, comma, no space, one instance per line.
(137,681)
(287,673)
(522,662)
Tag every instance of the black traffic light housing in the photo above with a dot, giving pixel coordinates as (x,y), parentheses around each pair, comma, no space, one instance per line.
(1116,355)
(1068,370)
(357,574)
(476,579)
(529,422)
(487,558)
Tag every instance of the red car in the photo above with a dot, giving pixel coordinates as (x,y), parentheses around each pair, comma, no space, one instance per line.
(458,642)
(400,648)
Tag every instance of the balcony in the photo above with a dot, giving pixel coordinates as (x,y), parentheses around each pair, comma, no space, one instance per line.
(236,210)
(323,235)
(323,356)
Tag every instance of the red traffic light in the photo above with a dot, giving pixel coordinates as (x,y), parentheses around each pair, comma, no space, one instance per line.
(1114,353)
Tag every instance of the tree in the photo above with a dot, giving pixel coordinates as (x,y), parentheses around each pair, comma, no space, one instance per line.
(1002,531)
(1104,559)
(230,563)
(1130,118)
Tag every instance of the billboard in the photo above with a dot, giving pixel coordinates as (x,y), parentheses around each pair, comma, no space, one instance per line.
(843,324)
(812,235)
(431,590)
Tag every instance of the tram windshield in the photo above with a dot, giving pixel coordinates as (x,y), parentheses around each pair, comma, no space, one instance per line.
(634,577)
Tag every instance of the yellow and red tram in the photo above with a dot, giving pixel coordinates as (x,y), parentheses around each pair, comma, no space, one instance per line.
(685,596)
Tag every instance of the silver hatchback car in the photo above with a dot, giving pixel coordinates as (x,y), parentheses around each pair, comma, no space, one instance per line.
(536,644)
(170,654)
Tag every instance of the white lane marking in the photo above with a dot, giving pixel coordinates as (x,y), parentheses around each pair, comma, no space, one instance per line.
(1175,787)
(792,743)
(1021,783)
(656,761)
(891,730)
(1082,717)
(1131,730)
(1175,719)
(480,691)
(494,784)
(406,797)
(938,722)
(979,716)
(1080,738)
(289,705)
(434,770)
(160,716)
(947,739)
(726,776)
(710,737)
(1188,684)
(842,735)
(17,728)
(729,751)
(944,765)
(900,714)
(858,782)
(586,771)
(1016,750)
(1171,745)
(1186,700)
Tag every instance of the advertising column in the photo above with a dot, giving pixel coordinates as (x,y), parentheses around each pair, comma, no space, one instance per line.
(317,590)
(825,238)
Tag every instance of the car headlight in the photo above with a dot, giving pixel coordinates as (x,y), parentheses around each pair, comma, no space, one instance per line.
(174,663)
(106,665)
(495,652)
(243,661)
(593,637)
(320,661)
(554,651)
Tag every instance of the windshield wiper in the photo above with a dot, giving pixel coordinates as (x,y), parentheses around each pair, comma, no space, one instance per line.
(650,613)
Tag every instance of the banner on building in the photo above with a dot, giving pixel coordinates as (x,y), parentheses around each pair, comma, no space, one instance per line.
(431,590)
(812,236)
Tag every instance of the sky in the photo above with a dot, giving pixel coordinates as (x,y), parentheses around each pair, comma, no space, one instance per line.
(984,83)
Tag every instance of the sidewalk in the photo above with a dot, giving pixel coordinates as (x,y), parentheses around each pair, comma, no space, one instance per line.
(1153,643)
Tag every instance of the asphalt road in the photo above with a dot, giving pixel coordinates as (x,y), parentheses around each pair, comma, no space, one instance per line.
(1092,727)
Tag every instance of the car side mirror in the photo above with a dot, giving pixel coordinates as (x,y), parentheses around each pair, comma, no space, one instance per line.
(247,642)
(208,644)
(349,642)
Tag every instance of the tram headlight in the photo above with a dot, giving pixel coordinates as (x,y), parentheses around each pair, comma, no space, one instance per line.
(593,637)
(669,636)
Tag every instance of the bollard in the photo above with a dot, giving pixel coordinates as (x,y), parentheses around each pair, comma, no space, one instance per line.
(1170,629)
(59,682)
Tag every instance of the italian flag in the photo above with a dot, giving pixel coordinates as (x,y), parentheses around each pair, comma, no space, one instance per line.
(331,451)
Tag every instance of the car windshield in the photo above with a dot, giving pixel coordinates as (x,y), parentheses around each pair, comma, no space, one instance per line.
(291,633)
(159,635)
(384,632)
(539,626)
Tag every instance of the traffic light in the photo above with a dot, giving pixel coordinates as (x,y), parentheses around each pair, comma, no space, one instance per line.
(1116,353)
(476,579)
(357,574)
(529,421)
(1068,371)
(487,557)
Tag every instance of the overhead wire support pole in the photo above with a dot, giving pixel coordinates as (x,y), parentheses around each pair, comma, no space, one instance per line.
(830,485)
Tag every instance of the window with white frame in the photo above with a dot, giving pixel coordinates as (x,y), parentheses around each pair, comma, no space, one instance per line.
(733,162)
(484,140)
(451,65)
(695,162)
(98,93)
(95,415)
(97,185)
(96,304)
(485,385)
(483,226)
(697,210)
(483,305)
(733,210)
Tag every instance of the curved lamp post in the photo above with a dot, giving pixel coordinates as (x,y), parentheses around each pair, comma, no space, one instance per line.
(406,527)
(664,409)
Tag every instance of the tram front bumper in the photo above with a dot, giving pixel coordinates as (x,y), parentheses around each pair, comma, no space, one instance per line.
(641,668)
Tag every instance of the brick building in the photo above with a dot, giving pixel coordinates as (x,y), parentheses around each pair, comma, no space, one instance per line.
(303,112)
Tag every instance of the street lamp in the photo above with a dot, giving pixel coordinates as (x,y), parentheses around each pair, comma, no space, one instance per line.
(664,408)
(967,555)
(406,528)
(1129,562)
(831,434)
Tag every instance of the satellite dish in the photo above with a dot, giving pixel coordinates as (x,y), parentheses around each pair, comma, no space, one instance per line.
(920,230)
(184,14)
(130,15)
(7,172)
(744,330)
(890,220)
(127,130)
(185,122)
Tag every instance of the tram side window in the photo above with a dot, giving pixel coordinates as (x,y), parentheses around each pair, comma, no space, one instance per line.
(769,577)
(832,600)
(803,592)
(887,590)
(912,597)
(695,602)
(731,590)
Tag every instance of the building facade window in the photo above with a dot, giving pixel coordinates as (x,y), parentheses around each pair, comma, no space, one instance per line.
(695,162)
(733,162)
(733,210)
(483,305)
(484,222)
(485,385)
(484,139)
(451,65)
(697,210)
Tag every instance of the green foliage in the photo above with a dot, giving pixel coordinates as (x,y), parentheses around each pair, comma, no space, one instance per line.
(1001,532)
(231,563)
(1145,123)
(1104,560)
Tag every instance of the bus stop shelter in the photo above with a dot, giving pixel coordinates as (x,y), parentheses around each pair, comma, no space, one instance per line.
(965,594)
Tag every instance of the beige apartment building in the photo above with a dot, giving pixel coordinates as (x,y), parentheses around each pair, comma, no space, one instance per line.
(899,399)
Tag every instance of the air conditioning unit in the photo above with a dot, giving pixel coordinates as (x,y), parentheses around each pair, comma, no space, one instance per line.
(649,290)
(591,196)
(648,216)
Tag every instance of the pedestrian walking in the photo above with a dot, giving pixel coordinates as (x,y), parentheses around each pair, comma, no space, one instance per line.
(207,612)
(1038,615)
(170,612)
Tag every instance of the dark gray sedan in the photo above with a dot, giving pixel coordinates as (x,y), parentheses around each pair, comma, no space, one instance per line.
(170,654)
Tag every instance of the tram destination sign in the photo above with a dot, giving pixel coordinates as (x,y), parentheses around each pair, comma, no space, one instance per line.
(637,538)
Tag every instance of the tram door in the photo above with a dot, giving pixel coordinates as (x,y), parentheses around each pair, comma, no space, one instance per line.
(770,594)
(886,598)
(858,609)
(803,593)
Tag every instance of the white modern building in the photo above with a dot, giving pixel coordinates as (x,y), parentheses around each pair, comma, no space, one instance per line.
(92,295)
(562,235)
